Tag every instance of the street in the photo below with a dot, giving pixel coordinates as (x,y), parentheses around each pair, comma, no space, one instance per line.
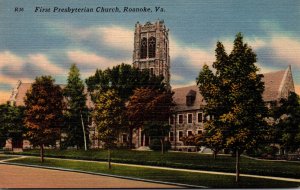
(26,177)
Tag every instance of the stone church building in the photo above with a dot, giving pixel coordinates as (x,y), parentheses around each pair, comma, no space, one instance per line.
(151,51)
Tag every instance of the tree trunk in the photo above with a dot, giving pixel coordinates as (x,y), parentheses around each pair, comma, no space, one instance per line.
(130,137)
(109,158)
(162,145)
(237,168)
(83,130)
(42,152)
(60,139)
(215,154)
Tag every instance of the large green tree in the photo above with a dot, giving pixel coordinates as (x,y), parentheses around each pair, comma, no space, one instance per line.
(234,97)
(124,79)
(77,111)
(43,112)
(150,108)
(287,123)
(107,116)
(11,123)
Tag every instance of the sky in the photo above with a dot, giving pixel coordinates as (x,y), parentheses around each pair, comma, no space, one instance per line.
(35,43)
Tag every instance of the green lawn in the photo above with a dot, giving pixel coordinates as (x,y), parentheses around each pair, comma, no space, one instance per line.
(183,160)
(4,157)
(208,180)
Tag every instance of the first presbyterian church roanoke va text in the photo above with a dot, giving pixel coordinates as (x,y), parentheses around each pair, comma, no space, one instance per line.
(100,9)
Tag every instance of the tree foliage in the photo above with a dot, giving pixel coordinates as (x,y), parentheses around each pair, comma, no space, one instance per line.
(234,97)
(124,79)
(148,105)
(150,108)
(11,122)
(76,109)
(107,116)
(213,137)
(43,112)
(287,123)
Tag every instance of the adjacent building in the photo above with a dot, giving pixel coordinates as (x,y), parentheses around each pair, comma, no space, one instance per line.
(189,117)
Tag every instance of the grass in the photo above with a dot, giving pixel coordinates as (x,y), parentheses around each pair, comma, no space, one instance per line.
(4,157)
(183,160)
(208,180)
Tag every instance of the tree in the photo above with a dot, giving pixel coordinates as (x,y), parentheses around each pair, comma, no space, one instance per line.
(213,137)
(212,89)
(43,112)
(124,79)
(234,98)
(150,108)
(287,127)
(12,126)
(77,111)
(194,140)
(107,116)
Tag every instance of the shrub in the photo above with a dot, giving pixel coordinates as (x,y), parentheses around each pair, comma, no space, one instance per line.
(265,151)
(155,145)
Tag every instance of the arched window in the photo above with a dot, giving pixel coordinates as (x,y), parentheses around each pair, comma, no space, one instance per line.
(152,47)
(144,48)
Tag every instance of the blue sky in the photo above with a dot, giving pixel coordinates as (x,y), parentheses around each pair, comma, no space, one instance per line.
(34,43)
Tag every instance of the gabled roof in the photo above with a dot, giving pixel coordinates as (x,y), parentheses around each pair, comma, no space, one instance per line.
(21,93)
(21,89)
(275,84)
(272,84)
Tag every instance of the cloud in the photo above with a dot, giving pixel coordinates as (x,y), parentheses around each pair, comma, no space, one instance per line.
(188,83)
(113,36)
(90,59)
(287,49)
(4,96)
(117,37)
(195,57)
(8,59)
(264,68)
(42,61)
(297,89)
(255,43)
(13,62)
(14,67)
(176,77)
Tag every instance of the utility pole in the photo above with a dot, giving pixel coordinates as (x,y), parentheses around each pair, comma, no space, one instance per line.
(84,137)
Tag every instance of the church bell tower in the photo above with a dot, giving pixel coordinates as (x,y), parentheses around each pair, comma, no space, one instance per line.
(151,49)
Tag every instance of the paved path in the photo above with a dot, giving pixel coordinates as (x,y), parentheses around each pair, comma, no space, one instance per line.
(12,176)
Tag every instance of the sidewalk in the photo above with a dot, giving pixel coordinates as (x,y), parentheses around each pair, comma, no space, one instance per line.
(171,169)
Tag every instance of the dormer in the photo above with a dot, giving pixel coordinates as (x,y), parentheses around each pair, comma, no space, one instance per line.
(190,98)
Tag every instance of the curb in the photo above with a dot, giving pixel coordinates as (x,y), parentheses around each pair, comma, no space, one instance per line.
(107,175)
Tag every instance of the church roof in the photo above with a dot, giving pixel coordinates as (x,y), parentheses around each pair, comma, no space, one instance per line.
(20,92)
(19,99)
(274,82)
